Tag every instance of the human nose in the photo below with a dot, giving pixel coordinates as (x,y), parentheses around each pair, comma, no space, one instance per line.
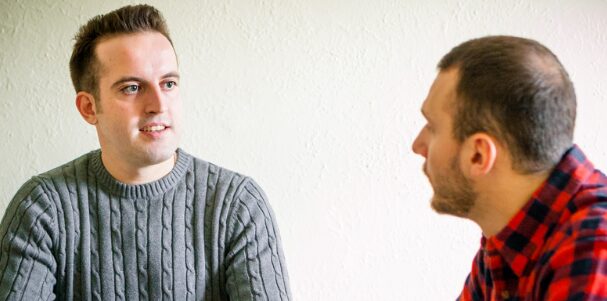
(156,101)
(419,146)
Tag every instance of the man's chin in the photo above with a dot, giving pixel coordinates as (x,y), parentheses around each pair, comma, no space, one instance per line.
(158,156)
(447,206)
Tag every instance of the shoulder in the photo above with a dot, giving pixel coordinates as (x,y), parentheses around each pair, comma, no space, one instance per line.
(224,179)
(32,188)
(589,212)
(575,251)
(238,200)
(230,188)
(42,188)
(245,189)
(61,170)
(32,208)
(582,227)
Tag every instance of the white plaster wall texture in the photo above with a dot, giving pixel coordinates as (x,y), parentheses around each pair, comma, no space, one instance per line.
(319,102)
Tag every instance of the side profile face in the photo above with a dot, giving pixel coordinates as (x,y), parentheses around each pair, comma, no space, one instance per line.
(139,109)
(453,192)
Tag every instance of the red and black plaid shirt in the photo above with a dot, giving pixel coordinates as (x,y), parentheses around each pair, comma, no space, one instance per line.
(555,247)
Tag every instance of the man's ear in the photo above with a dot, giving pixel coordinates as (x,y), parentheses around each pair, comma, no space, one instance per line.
(480,154)
(85,102)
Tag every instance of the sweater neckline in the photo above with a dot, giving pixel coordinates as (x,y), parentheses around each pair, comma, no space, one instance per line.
(146,190)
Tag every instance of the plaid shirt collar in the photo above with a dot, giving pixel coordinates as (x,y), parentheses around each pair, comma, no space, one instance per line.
(521,241)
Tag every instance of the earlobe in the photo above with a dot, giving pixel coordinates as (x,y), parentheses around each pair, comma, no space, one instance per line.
(483,154)
(85,103)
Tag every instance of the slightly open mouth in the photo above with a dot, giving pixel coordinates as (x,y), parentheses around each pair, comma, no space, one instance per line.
(154,128)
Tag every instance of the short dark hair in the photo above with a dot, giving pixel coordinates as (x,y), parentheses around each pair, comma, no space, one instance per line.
(518,91)
(84,66)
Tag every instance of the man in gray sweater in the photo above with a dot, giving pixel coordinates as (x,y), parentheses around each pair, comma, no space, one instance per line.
(139,218)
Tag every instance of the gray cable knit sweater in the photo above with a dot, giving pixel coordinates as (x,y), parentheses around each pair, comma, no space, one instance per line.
(199,233)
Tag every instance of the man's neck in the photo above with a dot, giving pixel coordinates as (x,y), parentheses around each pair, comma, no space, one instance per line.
(500,200)
(134,174)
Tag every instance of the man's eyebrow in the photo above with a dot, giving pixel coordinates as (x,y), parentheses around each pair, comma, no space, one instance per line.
(171,74)
(141,80)
(125,79)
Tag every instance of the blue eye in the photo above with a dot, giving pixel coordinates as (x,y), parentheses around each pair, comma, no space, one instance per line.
(130,89)
(170,84)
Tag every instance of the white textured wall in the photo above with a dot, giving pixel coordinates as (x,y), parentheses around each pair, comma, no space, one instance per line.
(319,101)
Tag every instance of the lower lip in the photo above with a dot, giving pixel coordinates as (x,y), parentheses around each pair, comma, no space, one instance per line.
(154,134)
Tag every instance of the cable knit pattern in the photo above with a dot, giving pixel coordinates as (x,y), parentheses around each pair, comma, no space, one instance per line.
(117,248)
(94,253)
(189,251)
(200,233)
(166,250)
(141,218)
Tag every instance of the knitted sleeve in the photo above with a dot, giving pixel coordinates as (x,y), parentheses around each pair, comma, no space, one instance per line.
(255,262)
(27,264)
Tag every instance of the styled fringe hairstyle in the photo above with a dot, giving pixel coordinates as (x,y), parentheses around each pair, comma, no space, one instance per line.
(84,66)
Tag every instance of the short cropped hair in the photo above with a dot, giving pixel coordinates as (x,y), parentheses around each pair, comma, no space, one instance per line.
(516,90)
(84,66)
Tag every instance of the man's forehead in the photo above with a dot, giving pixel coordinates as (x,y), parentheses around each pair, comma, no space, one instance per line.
(126,43)
(126,51)
(443,93)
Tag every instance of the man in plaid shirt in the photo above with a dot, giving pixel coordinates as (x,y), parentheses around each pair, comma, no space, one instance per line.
(499,151)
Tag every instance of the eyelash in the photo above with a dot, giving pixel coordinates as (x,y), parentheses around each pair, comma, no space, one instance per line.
(125,90)
(172,82)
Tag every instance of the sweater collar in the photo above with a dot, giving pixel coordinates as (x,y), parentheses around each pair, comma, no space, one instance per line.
(139,191)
